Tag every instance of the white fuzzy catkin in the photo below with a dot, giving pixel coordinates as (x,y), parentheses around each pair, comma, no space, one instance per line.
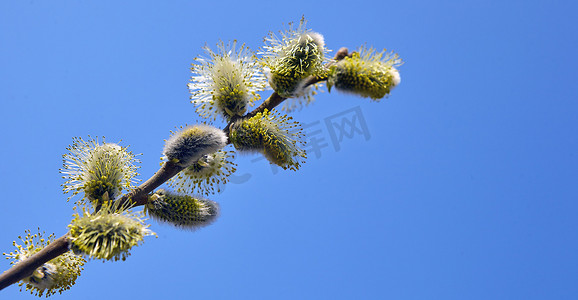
(226,82)
(188,145)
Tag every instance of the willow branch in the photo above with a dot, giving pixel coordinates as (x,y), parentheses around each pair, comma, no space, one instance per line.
(138,196)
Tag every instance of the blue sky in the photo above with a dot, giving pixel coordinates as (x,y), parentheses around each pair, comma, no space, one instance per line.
(462,186)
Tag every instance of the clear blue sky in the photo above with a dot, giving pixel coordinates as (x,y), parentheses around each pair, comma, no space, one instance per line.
(463,184)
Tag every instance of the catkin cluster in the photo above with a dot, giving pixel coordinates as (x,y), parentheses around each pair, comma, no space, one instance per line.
(272,134)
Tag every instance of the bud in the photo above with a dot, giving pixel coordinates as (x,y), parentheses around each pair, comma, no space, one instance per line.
(190,144)
(227,82)
(182,210)
(206,174)
(56,275)
(101,171)
(108,234)
(366,73)
(273,135)
(289,60)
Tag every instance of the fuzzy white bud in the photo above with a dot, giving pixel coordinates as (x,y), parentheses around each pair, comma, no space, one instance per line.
(188,145)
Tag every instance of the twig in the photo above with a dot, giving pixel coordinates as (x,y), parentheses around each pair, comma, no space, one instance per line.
(26,267)
(136,197)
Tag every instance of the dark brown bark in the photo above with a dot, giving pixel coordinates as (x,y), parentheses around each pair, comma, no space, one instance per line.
(139,195)
(26,267)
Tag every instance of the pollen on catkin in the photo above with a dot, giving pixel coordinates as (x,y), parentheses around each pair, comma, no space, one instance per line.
(108,234)
(272,134)
(290,59)
(188,145)
(100,171)
(56,275)
(366,73)
(184,211)
(226,82)
(207,175)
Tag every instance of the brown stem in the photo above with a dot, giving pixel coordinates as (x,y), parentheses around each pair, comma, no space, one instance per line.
(139,195)
(342,53)
(26,267)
